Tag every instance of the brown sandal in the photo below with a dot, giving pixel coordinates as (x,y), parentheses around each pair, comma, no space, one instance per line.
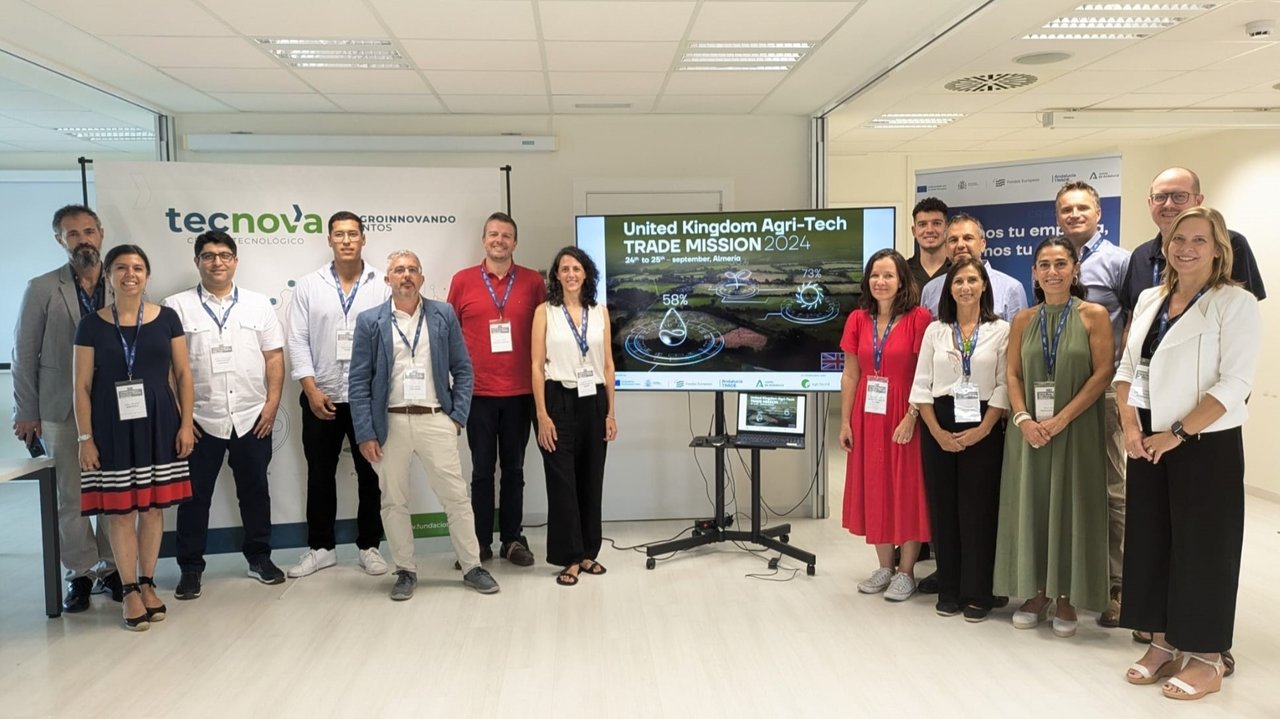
(595,568)
(566,578)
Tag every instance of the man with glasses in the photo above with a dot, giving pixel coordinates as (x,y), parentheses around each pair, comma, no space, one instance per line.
(322,326)
(236,348)
(1173,191)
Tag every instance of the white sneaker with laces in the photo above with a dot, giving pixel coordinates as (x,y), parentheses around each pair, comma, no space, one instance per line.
(901,588)
(313,561)
(877,582)
(372,561)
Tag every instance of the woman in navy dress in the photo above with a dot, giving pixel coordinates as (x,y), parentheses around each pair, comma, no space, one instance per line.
(134,435)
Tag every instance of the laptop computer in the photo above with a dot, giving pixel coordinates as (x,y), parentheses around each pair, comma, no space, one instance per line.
(767,420)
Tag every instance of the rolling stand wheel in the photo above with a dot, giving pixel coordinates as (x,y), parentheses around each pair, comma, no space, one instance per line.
(785,538)
(773,563)
(650,563)
(697,532)
(810,570)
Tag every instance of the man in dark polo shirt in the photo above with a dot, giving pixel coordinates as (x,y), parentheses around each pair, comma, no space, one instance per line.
(929,228)
(494,302)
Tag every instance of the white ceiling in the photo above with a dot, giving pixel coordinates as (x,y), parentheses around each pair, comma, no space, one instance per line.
(536,57)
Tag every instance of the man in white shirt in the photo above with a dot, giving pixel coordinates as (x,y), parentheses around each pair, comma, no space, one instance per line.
(1103,267)
(403,404)
(322,322)
(965,238)
(236,348)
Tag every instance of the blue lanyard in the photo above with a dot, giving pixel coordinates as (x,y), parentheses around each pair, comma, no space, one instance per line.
(966,349)
(88,302)
(581,339)
(235,297)
(1089,249)
(130,351)
(1051,353)
(422,317)
(1164,323)
(1157,270)
(511,282)
(344,300)
(878,343)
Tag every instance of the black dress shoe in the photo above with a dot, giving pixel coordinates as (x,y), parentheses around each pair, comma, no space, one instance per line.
(928,585)
(77,599)
(112,587)
(188,586)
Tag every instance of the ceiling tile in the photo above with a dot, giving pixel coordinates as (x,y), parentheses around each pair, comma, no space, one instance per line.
(459,19)
(209,52)
(1037,101)
(364,81)
(238,80)
(496,104)
(1244,99)
(1155,54)
(276,102)
(41,118)
(1106,81)
(1154,101)
(24,99)
(1201,81)
(142,17)
(600,83)
(722,83)
(571,104)
(611,56)
(463,82)
(708,104)
(615,20)
(393,104)
(963,102)
(474,54)
(299,18)
(778,21)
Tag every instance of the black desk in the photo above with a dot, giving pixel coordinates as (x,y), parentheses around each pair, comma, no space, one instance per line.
(42,471)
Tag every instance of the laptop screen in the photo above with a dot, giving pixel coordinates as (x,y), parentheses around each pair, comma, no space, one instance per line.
(771,413)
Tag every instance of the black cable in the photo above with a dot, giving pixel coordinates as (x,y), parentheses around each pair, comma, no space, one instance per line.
(640,547)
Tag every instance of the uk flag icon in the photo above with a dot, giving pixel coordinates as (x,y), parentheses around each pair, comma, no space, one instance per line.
(831,362)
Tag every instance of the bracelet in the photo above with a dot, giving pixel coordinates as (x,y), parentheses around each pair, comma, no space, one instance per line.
(84,438)
(1021,417)
(609,416)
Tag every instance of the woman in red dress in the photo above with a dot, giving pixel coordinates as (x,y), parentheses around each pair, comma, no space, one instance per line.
(884,484)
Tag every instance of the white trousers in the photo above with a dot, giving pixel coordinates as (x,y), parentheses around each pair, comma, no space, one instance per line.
(85,551)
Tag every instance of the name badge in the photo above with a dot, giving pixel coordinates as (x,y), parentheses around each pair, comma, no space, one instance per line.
(1139,392)
(499,336)
(1044,400)
(968,404)
(131,400)
(877,395)
(415,384)
(346,340)
(224,359)
(586,377)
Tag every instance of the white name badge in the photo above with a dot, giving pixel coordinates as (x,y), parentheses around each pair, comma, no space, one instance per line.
(346,339)
(968,404)
(877,395)
(499,336)
(224,360)
(586,377)
(415,384)
(1139,393)
(131,400)
(1044,400)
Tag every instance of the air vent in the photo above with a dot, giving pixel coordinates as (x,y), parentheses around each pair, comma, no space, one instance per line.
(991,83)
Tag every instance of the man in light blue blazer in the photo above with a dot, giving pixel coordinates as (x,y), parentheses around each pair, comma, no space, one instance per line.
(403,404)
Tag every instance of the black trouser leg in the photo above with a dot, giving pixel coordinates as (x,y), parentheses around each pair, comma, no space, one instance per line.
(513,439)
(590,469)
(369,496)
(978,510)
(250,457)
(564,523)
(940,470)
(321,445)
(482,439)
(192,528)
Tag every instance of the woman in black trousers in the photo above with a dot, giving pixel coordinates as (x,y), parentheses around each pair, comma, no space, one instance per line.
(1185,375)
(961,392)
(573,396)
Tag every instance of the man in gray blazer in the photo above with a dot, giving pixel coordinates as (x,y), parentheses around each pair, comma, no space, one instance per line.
(43,346)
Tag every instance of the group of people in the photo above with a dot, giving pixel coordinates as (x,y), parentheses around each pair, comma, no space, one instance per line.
(1083,452)
(140,404)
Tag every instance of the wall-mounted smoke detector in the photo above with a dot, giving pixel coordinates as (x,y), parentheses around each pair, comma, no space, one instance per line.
(991,83)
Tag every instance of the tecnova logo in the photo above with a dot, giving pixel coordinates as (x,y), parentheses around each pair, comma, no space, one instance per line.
(240,223)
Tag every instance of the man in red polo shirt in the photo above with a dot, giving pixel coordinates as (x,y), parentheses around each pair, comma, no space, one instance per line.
(495,301)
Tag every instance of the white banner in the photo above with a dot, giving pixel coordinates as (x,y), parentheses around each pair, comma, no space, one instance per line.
(278,216)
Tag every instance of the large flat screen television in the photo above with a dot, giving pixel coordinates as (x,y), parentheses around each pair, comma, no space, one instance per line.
(732,300)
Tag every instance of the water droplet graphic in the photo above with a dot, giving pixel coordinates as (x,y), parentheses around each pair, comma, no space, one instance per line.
(672,331)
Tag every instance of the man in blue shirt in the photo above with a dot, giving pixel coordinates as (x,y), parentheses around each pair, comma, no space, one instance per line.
(966,238)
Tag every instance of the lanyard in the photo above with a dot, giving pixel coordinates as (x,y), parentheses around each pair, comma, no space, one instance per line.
(511,282)
(1157,270)
(878,342)
(966,348)
(1051,354)
(1089,249)
(130,351)
(581,339)
(344,300)
(235,297)
(422,317)
(1165,323)
(88,302)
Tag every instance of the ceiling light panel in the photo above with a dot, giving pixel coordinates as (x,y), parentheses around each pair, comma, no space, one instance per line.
(744,56)
(113,134)
(1145,7)
(913,120)
(1112,23)
(336,53)
(1084,36)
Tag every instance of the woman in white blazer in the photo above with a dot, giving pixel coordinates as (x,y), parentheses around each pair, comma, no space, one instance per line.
(1187,369)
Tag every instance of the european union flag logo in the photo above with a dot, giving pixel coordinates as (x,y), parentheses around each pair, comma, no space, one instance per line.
(922,188)
(831,361)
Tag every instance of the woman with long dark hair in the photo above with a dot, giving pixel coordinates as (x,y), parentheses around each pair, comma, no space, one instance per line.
(573,397)
(884,490)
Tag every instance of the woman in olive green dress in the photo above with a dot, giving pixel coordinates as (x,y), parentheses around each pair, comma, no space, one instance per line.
(1052,536)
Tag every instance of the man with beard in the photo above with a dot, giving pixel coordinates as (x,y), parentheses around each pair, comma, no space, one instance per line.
(43,347)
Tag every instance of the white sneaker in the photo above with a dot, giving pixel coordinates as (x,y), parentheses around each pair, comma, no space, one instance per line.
(901,588)
(877,582)
(313,561)
(372,561)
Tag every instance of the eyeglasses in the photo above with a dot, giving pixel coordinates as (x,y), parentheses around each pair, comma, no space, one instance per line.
(402,270)
(211,256)
(1179,198)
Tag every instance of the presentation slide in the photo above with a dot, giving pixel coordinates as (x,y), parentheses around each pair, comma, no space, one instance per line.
(777,413)
(732,300)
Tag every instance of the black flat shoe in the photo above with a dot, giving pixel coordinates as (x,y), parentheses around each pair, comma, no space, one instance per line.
(154,614)
(140,623)
(77,599)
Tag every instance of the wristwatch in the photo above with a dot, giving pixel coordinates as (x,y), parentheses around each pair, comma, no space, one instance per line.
(913,411)
(84,438)
(1178,431)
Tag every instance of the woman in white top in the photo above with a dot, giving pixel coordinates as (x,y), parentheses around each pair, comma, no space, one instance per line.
(961,390)
(1185,375)
(573,396)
